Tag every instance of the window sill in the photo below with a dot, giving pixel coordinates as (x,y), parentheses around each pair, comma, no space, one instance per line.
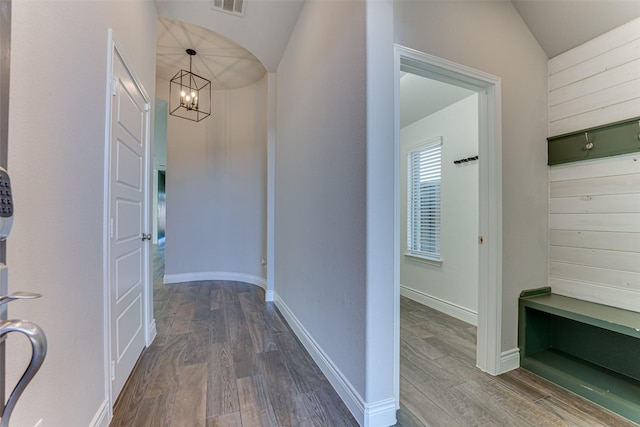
(424,259)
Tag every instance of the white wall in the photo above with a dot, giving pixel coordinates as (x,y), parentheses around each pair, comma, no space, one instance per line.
(594,215)
(453,286)
(320,185)
(56,161)
(216,189)
(594,224)
(596,83)
(491,37)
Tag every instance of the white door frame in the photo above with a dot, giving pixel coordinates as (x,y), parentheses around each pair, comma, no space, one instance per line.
(114,48)
(488,353)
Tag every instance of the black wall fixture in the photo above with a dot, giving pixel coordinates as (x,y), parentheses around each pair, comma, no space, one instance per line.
(465,160)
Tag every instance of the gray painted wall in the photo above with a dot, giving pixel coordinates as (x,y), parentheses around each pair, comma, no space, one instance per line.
(216,186)
(56,160)
(320,181)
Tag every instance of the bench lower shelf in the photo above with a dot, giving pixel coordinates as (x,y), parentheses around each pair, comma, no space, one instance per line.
(590,349)
(619,393)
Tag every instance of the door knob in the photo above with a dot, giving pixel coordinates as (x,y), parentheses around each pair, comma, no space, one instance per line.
(38,352)
(4,299)
(146,237)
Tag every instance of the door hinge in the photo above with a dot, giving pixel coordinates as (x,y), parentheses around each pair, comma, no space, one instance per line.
(147,107)
(114,86)
(111,227)
(113,370)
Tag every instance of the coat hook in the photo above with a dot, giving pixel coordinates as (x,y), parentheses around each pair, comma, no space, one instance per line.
(589,145)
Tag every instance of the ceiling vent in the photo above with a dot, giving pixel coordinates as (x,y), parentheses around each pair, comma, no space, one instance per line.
(234,7)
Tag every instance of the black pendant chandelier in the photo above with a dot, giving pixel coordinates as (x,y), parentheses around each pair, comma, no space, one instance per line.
(190,94)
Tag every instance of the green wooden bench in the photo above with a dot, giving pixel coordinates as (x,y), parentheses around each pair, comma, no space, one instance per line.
(590,349)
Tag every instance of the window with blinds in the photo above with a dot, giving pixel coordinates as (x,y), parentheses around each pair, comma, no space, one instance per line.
(423,222)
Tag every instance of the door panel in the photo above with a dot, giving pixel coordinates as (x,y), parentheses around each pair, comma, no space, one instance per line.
(128,273)
(129,117)
(126,335)
(129,166)
(127,251)
(128,217)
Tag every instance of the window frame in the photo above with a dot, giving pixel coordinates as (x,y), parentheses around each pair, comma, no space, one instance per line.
(417,251)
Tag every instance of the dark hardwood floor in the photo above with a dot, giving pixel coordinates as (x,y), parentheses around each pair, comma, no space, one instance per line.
(223,357)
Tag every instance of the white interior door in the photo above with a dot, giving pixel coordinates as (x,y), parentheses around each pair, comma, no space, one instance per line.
(127,209)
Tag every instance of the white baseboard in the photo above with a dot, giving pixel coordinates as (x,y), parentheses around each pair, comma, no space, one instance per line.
(101,418)
(152,332)
(216,275)
(269,296)
(509,360)
(377,414)
(446,307)
(380,414)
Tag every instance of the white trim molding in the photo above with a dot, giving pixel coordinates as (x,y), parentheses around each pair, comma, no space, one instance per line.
(271,184)
(269,295)
(509,360)
(216,275)
(101,418)
(376,414)
(446,307)
(380,414)
(152,331)
(488,87)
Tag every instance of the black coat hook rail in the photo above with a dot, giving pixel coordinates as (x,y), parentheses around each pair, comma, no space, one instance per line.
(466,160)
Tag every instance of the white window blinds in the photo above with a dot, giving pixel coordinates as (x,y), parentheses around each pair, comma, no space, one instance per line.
(423,226)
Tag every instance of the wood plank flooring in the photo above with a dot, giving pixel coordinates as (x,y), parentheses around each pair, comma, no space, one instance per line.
(225,358)
(440,385)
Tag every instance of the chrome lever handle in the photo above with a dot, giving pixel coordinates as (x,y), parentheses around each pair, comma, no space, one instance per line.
(5,299)
(38,352)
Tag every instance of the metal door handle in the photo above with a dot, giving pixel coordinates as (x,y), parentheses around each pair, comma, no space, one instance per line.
(146,237)
(39,351)
(5,299)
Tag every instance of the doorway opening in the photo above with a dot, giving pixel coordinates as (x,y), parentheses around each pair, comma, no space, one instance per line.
(439,195)
(483,90)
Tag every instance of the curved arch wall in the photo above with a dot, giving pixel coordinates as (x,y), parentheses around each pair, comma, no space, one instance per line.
(216,189)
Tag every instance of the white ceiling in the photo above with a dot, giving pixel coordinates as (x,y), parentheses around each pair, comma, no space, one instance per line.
(264,30)
(560,25)
(227,64)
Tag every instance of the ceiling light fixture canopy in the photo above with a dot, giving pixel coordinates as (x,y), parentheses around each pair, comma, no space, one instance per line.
(190,94)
